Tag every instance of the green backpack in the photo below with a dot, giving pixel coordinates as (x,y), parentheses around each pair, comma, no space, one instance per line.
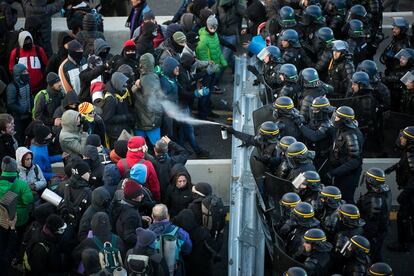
(36,98)
(109,255)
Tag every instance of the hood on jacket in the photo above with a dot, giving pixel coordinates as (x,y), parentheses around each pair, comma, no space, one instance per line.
(138,172)
(70,121)
(146,63)
(119,81)
(168,66)
(42,211)
(178,170)
(22,36)
(100,45)
(148,28)
(186,220)
(101,225)
(111,175)
(18,70)
(20,153)
(135,148)
(187,22)
(100,198)
(70,98)
(91,152)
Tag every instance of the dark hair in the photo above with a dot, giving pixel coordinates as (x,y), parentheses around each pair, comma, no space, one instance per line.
(4,120)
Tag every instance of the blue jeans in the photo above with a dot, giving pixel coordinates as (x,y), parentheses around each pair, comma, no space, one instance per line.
(227,52)
(153,135)
(186,134)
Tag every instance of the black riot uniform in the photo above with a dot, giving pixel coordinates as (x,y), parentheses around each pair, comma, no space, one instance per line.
(317,260)
(357,41)
(283,169)
(340,69)
(284,115)
(380,269)
(300,159)
(407,98)
(335,16)
(322,45)
(313,87)
(319,131)
(289,79)
(301,220)
(286,203)
(349,224)
(375,207)
(286,19)
(330,198)
(355,253)
(345,158)
(292,51)
(311,186)
(404,170)
(312,21)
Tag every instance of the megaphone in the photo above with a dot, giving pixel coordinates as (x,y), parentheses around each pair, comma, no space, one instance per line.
(51,197)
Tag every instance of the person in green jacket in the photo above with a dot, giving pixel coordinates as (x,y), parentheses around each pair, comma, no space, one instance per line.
(10,238)
(209,49)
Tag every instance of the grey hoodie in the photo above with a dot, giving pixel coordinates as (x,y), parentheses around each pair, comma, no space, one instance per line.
(71,138)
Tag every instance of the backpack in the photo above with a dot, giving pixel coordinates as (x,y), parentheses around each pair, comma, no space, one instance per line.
(73,210)
(171,257)
(8,205)
(36,98)
(109,255)
(125,166)
(213,215)
(142,265)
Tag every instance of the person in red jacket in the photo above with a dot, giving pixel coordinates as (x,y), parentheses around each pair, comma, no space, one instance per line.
(31,56)
(136,152)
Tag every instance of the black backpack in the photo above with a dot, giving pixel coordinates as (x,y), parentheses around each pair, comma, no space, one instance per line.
(213,215)
(71,208)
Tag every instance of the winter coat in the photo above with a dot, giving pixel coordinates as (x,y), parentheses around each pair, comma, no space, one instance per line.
(44,110)
(195,207)
(230,13)
(127,219)
(42,159)
(136,16)
(145,40)
(18,95)
(43,10)
(178,199)
(111,178)
(166,226)
(148,117)
(10,182)
(8,146)
(208,48)
(31,60)
(94,162)
(56,59)
(71,138)
(340,73)
(87,78)
(34,174)
(69,73)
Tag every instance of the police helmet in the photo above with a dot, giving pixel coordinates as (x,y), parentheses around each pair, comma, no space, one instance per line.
(290,200)
(303,211)
(312,181)
(408,133)
(314,235)
(321,103)
(325,34)
(295,271)
(310,77)
(272,51)
(346,116)
(369,67)
(290,36)
(331,195)
(356,245)
(401,23)
(269,131)
(382,269)
(297,153)
(313,14)
(289,72)
(357,12)
(407,53)
(362,79)
(287,17)
(283,105)
(356,28)
(285,142)
(337,5)
(375,180)
(349,215)
(308,3)
(340,46)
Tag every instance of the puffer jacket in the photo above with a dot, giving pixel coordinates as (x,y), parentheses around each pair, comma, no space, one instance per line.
(230,14)
(33,175)
(146,102)
(178,199)
(71,138)
(18,95)
(209,48)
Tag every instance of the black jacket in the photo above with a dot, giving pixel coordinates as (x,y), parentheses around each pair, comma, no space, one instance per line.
(340,73)
(8,146)
(178,199)
(127,219)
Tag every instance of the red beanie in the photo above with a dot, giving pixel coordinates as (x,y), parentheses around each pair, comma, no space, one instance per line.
(129,44)
(135,143)
(132,189)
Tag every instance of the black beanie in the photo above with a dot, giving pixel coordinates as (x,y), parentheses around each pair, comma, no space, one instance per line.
(54,222)
(74,46)
(202,189)
(40,133)
(121,148)
(52,78)
(80,167)
(94,140)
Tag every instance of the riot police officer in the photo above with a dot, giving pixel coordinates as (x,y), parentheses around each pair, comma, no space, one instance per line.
(330,198)
(311,186)
(313,87)
(340,69)
(407,99)
(316,253)
(301,220)
(285,114)
(286,203)
(349,224)
(312,21)
(300,159)
(355,253)
(322,45)
(319,131)
(288,76)
(375,207)
(400,40)
(357,41)
(405,179)
(292,51)
(380,269)
(345,158)
(295,271)
(283,169)
(335,19)
(286,20)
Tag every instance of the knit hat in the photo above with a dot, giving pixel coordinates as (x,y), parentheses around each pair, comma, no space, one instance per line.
(212,22)
(42,212)
(74,46)
(129,45)
(187,61)
(40,133)
(54,223)
(203,189)
(52,78)
(179,38)
(171,29)
(126,70)
(80,167)
(94,61)
(138,172)
(192,38)
(8,166)
(89,22)
(121,148)
(132,189)
(145,237)
(149,16)
(94,140)
(169,65)
(136,143)
(100,224)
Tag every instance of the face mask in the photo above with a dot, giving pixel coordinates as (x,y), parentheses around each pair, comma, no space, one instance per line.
(131,55)
(25,78)
(27,46)
(103,55)
(76,56)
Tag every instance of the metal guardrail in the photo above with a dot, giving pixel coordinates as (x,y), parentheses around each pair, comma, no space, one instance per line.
(246,239)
